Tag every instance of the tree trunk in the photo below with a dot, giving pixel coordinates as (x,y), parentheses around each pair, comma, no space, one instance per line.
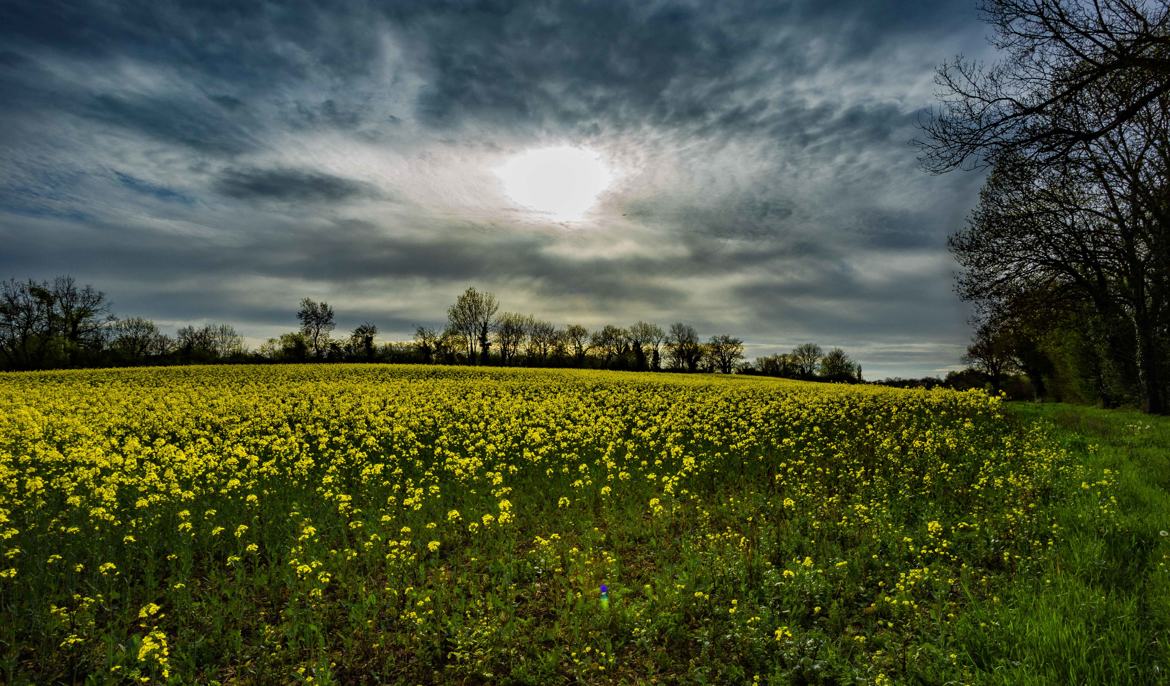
(1149,367)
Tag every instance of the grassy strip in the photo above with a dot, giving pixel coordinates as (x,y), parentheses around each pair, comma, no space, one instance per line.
(1099,610)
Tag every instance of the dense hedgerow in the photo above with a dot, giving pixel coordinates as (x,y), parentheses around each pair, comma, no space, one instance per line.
(412,524)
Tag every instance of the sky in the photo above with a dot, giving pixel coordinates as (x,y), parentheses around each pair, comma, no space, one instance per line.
(745,167)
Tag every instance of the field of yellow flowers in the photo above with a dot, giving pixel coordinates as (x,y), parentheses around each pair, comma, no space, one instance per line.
(404,524)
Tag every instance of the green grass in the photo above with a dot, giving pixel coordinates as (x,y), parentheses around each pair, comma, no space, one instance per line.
(1099,610)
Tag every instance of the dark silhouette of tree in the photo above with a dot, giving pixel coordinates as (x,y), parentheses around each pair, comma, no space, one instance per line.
(79,313)
(294,346)
(426,343)
(1063,238)
(288,347)
(836,365)
(316,325)
(225,341)
(135,339)
(578,341)
(1076,125)
(40,322)
(209,342)
(991,353)
(560,348)
(26,324)
(194,343)
(472,317)
(725,352)
(683,348)
(612,344)
(511,332)
(448,345)
(1042,101)
(645,341)
(806,357)
(542,337)
(362,340)
(47,324)
(780,364)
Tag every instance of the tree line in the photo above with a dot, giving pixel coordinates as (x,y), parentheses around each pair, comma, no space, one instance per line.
(1067,254)
(58,323)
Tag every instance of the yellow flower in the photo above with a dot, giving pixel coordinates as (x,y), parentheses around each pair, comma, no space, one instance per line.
(148,610)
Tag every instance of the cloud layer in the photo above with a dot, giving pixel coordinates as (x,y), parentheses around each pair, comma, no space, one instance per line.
(222,160)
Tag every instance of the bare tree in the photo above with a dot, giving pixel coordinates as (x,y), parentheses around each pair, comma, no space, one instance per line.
(225,341)
(725,351)
(43,323)
(560,346)
(511,331)
(210,342)
(472,317)
(1059,56)
(806,357)
(541,339)
(316,324)
(425,339)
(195,342)
(991,354)
(135,338)
(611,343)
(645,340)
(777,365)
(79,312)
(578,338)
(683,347)
(1060,237)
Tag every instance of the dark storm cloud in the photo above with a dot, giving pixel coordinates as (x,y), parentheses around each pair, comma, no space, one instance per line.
(253,43)
(153,190)
(289,185)
(216,159)
(172,121)
(639,64)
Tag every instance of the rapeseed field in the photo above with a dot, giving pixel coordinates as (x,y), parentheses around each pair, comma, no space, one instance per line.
(409,524)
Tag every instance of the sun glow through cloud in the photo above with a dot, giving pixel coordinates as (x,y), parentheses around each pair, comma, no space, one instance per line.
(561,182)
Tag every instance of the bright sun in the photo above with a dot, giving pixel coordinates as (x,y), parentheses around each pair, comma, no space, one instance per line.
(560,182)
